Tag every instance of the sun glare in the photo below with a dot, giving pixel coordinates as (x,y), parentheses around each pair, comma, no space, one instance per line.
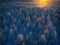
(42,3)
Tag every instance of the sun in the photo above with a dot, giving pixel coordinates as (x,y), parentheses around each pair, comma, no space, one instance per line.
(42,3)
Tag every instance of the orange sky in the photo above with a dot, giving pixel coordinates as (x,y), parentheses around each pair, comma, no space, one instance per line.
(42,3)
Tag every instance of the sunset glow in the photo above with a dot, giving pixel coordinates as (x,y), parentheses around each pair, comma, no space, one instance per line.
(42,3)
